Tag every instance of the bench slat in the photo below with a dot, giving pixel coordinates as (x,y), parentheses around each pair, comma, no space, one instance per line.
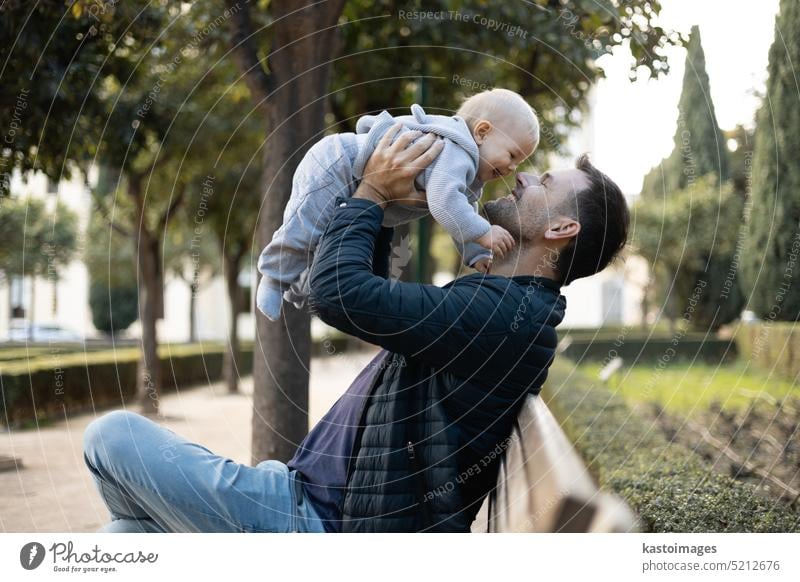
(543,485)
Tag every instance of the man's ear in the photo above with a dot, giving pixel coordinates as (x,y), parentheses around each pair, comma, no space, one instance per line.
(563,228)
(481,130)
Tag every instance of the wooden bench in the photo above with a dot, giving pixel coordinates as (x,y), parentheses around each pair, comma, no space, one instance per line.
(543,485)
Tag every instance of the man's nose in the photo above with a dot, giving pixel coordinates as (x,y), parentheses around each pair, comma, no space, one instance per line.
(528,179)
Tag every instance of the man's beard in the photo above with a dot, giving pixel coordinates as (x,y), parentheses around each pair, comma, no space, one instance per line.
(503,212)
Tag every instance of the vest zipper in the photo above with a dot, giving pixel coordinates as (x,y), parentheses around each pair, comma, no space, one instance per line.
(419,481)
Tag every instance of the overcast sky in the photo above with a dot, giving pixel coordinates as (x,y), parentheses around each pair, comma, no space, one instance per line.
(634,123)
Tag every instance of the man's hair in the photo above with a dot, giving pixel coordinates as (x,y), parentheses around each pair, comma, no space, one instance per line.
(603,215)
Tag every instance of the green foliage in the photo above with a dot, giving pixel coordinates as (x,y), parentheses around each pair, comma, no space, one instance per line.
(109,255)
(545,50)
(692,247)
(58,60)
(392,55)
(114,309)
(109,259)
(154,131)
(184,122)
(194,148)
(15,215)
(226,198)
(773,247)
(700,147)
(35,240)
(689,239)
(188,255)
(670,488)
(741,166)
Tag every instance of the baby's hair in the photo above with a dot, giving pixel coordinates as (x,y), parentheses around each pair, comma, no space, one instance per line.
(489,105)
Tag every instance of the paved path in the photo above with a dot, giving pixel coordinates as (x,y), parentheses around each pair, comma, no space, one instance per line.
(54,492)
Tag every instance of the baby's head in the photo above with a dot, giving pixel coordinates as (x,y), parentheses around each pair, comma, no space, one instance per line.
(505,128)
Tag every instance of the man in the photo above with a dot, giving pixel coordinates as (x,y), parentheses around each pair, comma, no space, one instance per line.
(405,448)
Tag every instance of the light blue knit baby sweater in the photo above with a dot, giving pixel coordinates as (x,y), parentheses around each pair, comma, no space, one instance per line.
(450,182)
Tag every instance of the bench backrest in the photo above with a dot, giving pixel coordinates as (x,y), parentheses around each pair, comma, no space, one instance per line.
(543,485)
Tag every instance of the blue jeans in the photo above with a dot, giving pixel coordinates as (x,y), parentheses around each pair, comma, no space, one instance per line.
(152,480)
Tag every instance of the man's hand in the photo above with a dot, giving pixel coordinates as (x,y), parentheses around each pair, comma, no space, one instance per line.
(391,169)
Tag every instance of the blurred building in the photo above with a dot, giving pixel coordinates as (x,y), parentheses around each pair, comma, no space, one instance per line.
(64,304)
(609,298)
(613,297)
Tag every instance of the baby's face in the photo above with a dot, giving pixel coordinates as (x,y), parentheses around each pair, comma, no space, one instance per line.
(502,148)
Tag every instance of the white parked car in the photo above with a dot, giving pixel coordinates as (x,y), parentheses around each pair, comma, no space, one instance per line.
(23,331)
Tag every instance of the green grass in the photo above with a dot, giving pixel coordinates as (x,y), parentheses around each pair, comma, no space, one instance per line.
(685,388)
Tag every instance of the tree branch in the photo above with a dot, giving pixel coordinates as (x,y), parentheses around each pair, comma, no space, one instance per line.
(159,161)
(176,202)
(245,52)
(135,191)
(113,223)
(241,252)
(527,88)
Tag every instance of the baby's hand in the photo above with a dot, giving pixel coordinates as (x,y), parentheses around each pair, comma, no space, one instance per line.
(498,240)
(483,265)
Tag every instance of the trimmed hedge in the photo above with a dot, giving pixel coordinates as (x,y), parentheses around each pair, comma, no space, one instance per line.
(114,309)
(689,347)
(772,347)
(22,353)
(670,487)
(17,350)
(59,384)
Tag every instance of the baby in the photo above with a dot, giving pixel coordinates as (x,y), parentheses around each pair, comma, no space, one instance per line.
(490,135)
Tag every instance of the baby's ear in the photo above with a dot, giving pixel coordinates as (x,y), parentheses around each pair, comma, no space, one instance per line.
(482,129)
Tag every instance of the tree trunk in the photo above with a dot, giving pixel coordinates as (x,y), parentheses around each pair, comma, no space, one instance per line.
(283,348)
(292,95)
(230,364)
(646,291)
(151,293)
(31,311)
(424,241)
(159,274)
(54,309)
(193,288)
(10,301)
(670,302)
